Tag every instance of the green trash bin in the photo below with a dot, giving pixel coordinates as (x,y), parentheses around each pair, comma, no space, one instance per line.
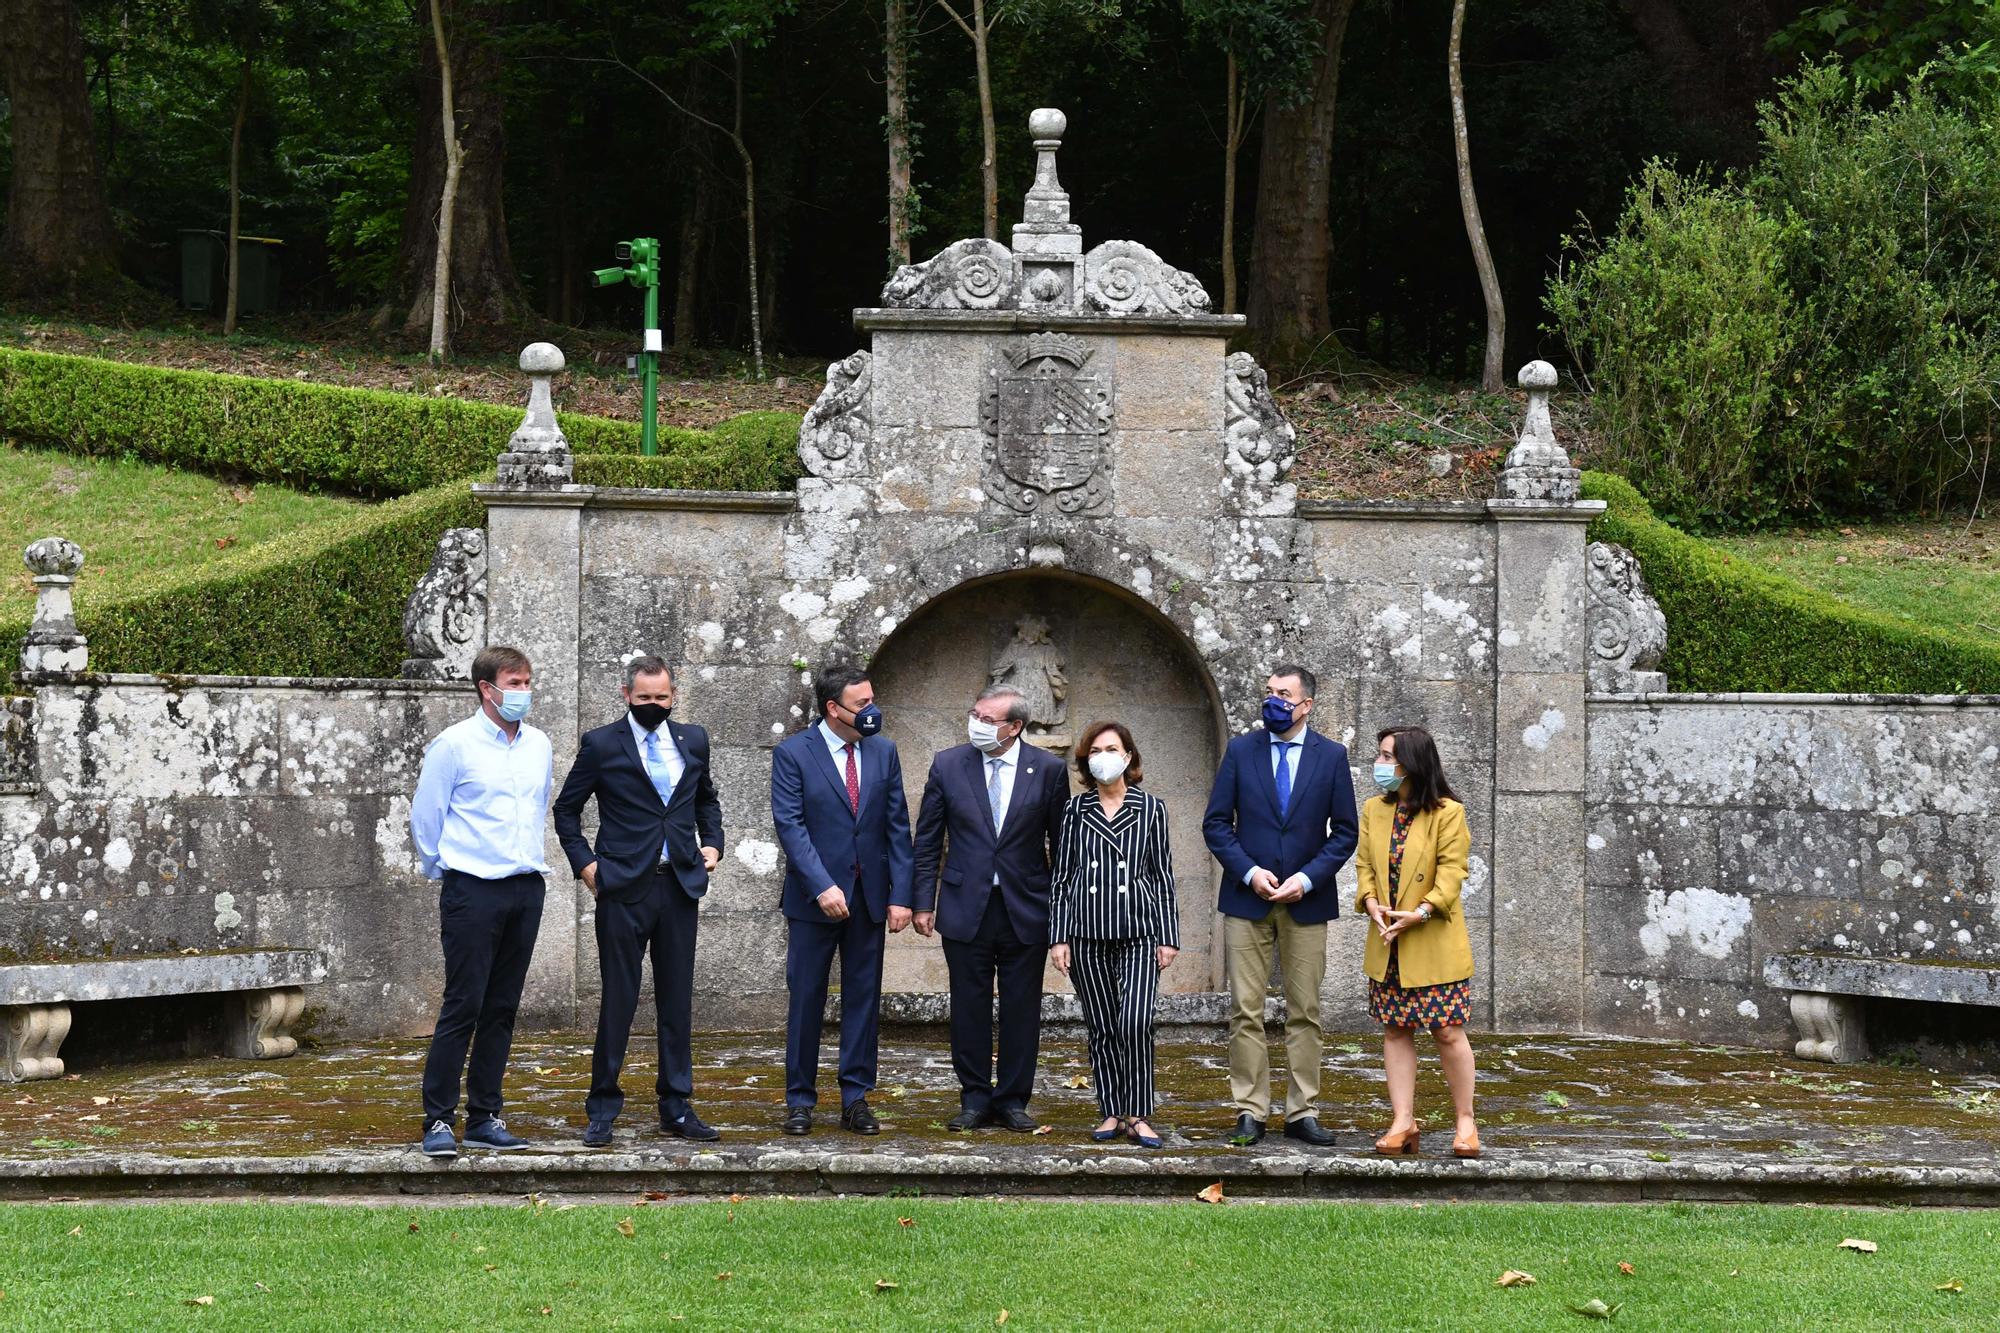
(205,273)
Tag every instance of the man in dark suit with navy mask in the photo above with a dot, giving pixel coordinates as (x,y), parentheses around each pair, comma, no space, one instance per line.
(659,834)
(1281,820)
(837,801)
(987,832)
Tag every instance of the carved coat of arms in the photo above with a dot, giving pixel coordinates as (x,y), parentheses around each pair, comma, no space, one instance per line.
(1046,422)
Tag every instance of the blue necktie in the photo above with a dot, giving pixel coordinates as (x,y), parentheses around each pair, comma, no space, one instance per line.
(656,769)
(993,791)
(1284,777)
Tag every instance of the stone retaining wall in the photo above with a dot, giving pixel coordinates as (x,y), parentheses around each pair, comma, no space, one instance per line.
(1726,828)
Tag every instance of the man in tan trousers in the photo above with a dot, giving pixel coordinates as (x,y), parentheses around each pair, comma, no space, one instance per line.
(1281,822)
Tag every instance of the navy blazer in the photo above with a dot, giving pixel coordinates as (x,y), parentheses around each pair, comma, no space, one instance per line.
(827,844)
(955,807)
(1316,834)
(631,822)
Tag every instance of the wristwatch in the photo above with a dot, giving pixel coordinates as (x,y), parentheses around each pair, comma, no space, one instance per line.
(1423,911)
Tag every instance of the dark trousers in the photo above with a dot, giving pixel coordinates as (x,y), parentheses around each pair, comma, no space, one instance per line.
(487,928)
(663,920)
(996,952)
(809,950)
(1117,982)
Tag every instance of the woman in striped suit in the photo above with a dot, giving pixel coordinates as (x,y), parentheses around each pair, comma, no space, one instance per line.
(1113,926)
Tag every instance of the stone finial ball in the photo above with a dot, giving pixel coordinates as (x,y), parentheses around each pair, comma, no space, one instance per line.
(1046,122)
(53,555)
(542,359)
(1538,375)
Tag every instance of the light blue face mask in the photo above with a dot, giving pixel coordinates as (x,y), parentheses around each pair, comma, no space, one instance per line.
(514,704)
(1387,779)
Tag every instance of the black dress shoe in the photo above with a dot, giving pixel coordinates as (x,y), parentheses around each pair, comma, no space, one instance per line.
(597,1134)
(689,1126)
(799,1120)
(1306,1130)
(857,1117)
(967,1118)
(1016,1119)
(1249,1130)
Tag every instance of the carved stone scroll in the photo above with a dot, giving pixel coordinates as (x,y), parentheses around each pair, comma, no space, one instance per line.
(1126,278)
(838,423)
(975,274)
(444,622)
(1628,631)
(1261,442)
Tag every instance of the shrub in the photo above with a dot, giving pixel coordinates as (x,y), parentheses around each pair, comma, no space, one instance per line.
(1734,627)
(317,436)
(1820,337)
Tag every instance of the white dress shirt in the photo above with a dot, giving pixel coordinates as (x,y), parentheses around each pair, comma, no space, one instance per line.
(670,754)
(481,800)
(836,745)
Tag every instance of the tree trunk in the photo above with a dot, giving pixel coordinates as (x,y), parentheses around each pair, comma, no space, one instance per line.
(454,156)
(1290,244)
(687,282)
(236,198)
(1232,122)
(58,223)
(989,166)
(749,217)
(1492,374)
(897,84)
(484,288)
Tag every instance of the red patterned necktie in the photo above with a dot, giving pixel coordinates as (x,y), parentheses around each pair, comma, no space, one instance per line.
(853,783)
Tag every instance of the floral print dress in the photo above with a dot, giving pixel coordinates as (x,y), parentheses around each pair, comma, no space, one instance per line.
(1448,1004)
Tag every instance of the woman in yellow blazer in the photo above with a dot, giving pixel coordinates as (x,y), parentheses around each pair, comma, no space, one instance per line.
(1411,863)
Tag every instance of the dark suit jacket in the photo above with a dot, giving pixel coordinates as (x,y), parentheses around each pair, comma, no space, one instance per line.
(631,822)
(955,807)
(827,845)
(1316,834)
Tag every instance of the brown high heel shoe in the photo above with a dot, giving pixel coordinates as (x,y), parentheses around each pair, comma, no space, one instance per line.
(1394,1145)
(1465,1145)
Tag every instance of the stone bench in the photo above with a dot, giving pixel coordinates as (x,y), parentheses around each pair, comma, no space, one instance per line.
(265,990)
(1828,991)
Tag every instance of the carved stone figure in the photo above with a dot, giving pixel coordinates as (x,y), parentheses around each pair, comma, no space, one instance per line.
(1045,422)
(975,274)
(1261,443)
(1628,631)
(444,622)
(537,453)
(838,423)
(1126,278)
(1033,665)
(1538,467)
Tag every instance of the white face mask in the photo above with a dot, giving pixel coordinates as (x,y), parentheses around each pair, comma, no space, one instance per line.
(984,735)
(1108,767)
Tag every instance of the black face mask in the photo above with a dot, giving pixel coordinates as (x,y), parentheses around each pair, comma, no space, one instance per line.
(650,716)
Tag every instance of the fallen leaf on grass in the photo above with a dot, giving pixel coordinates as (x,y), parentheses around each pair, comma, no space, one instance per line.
(199,1300)
(1045,1129)
(102,1101)
(548,1309)
(1514,1277)
(883,1284)
(224,543)
(906,1221)
(656,1196)
(1955,1286)
(1596,1309)
(1865,1246)
(724,1276)
(1077,1081)
(1626,1269)
(415,1227)
(489,1268)
(260,1286)
(626,1229)
(1213,1194)
(736,1198)
(565,1207)
(76,1230)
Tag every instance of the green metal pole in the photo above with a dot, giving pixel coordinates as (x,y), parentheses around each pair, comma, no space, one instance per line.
(649,367)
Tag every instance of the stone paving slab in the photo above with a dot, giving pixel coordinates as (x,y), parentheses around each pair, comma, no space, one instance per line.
(1563,1118)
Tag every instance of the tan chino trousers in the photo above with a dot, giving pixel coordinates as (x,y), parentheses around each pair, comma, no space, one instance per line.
(1301,950)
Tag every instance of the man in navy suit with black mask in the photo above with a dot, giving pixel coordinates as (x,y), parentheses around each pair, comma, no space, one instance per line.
(1281,821)
(988,828)
(837,801)
(659,834)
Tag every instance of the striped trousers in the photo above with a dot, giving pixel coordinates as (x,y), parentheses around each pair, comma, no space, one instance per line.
(1117,982)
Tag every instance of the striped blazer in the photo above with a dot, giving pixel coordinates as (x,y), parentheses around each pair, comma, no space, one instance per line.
(1114,878)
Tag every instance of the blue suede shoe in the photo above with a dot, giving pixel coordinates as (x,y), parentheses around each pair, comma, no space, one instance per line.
(492,1134)
(439,1141)
(597,1134)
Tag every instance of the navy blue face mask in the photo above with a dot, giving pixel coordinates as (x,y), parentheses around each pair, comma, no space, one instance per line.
(1277,713)
(868,720)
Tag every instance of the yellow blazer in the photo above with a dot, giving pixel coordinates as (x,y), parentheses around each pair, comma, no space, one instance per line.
(1435,852)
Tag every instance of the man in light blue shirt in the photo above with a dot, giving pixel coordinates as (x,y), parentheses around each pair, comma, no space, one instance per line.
(476,820)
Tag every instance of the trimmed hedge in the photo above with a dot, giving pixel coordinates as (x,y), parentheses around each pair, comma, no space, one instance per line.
(1734,627)
(317,436)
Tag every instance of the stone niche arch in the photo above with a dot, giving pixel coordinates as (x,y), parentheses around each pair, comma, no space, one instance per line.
(1124,659)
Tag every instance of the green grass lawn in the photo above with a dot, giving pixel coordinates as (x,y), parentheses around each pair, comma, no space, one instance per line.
(1937,574)
(760,1264)
(131,517)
